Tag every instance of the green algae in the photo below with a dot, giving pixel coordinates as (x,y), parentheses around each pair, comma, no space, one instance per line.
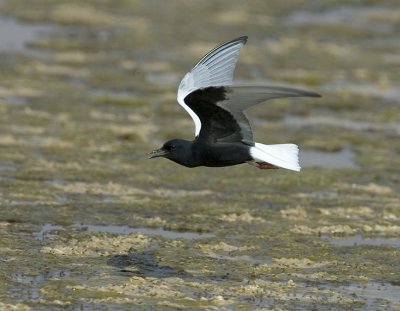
(80,114)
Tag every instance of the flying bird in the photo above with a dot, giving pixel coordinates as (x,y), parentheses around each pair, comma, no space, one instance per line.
(223,136)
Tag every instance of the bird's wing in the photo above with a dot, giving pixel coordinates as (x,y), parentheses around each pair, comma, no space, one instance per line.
(214,69)
(220,109)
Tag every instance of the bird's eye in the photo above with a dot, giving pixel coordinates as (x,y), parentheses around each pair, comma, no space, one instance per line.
(170,147)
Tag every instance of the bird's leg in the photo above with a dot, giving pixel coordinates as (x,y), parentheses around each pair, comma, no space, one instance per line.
(262,165)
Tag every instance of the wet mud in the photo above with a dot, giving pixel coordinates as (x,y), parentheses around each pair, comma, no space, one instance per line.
(88,223)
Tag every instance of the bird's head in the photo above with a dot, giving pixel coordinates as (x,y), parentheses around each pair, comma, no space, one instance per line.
(177,150)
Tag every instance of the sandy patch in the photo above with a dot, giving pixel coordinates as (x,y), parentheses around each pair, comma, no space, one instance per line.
(95,246)
(244,217)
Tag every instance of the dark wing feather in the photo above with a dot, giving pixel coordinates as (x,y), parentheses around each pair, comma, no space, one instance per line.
(217,123)
(220,109)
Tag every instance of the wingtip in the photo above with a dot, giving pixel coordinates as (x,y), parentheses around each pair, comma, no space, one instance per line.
(309,93)
(243,39)
(313,94)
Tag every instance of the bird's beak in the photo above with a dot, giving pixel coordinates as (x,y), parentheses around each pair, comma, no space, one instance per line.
(157,153)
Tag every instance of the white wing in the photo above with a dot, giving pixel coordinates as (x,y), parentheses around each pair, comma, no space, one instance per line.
(214,69)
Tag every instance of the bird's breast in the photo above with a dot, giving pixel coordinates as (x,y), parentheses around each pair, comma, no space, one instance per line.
(222,154)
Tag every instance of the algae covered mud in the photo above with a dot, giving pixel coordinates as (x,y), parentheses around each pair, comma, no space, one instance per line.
(88,223)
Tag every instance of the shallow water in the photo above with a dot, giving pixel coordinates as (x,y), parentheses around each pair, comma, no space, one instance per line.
(359,239)
(377,294)
(334,160)
(15,35)
(352,16)
(88,223)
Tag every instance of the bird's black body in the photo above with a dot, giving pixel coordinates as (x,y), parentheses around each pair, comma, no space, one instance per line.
(200,153)
(222,154)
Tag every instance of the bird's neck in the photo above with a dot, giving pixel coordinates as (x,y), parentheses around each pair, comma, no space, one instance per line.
(188,156)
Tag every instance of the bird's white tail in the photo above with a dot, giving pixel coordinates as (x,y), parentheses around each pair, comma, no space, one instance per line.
(282,155)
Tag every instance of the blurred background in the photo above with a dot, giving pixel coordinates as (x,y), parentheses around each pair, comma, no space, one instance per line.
(87,88)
